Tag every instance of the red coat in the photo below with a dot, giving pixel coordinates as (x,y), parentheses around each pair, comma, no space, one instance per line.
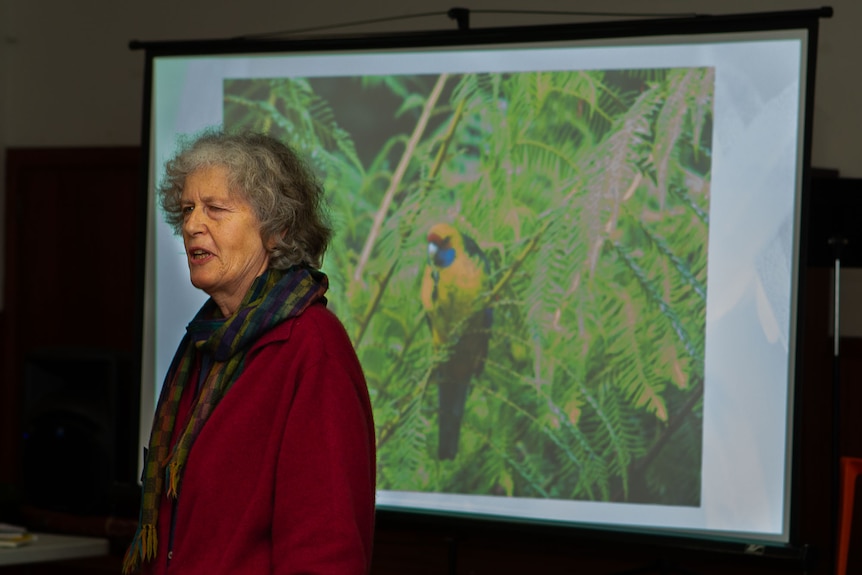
(281,478)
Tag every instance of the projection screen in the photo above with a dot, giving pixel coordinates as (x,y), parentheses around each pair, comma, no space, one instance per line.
(635,203)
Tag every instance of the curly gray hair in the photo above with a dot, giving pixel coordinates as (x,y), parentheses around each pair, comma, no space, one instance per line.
(282,190)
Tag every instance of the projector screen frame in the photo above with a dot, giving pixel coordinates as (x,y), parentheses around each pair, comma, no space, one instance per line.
(794,550)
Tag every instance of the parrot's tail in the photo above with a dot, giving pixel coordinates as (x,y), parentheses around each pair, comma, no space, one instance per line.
(452,397)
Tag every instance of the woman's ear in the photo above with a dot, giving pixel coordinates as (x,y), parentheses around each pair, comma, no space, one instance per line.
(272,241)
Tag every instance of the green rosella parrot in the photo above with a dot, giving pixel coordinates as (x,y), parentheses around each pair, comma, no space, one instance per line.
(456,277)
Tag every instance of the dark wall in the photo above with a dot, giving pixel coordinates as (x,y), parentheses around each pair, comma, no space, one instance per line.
(70,339)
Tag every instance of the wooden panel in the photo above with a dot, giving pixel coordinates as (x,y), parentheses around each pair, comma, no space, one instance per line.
(72,258)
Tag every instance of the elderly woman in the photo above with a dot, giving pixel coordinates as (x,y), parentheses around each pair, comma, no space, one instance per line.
(261,457)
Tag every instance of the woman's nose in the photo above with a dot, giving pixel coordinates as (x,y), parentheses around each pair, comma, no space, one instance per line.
(193,223)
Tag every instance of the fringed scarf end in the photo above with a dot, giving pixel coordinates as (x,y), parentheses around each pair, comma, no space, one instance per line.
(143,548)
(173,478)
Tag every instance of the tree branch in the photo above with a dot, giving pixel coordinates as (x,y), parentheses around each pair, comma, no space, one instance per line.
(400,170)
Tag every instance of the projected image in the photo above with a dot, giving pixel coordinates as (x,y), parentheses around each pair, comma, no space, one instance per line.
(520,260)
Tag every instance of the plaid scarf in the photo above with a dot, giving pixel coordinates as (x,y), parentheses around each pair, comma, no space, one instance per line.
(222,342)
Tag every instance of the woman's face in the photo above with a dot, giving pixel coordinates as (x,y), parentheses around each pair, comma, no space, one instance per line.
(222,239)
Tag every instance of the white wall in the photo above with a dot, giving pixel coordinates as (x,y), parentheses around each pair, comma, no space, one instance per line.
(68,78)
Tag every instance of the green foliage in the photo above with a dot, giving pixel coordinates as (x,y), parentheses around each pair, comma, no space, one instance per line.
(589,193)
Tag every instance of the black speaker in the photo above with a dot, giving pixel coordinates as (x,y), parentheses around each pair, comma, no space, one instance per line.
(833,215)
(78,428)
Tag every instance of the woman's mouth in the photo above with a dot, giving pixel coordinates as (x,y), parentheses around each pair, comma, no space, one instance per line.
(199,254)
